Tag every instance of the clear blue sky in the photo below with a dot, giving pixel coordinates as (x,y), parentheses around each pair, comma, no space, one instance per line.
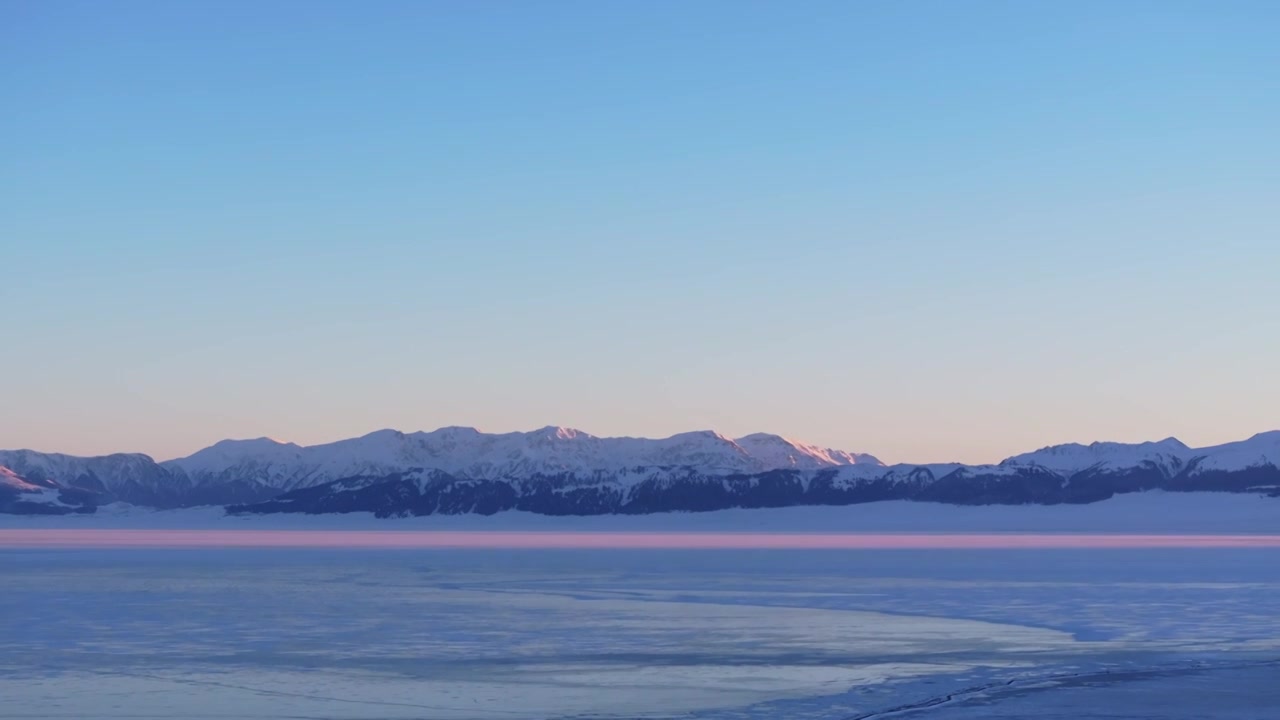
(926,230)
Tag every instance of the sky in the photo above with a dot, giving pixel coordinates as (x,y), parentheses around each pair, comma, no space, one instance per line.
(928,230)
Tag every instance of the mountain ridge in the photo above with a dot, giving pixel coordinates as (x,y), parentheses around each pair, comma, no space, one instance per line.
(563,470)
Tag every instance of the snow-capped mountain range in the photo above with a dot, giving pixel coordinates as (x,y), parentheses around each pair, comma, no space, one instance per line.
(559,470)
(467,452)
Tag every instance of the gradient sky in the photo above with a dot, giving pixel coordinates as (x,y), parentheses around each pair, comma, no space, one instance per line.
(926,230)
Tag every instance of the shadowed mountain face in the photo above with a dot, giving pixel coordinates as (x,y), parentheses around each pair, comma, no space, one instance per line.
(559,471)
(436,492)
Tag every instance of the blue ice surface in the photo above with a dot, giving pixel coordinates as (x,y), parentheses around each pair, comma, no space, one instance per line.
(1177,632)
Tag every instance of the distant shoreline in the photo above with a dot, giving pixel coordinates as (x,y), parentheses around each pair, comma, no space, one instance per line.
(1132,514)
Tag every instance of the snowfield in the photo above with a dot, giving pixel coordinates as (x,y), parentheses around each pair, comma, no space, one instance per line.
(1150,512)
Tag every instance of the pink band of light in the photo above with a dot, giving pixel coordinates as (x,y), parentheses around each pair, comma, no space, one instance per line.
(117,538)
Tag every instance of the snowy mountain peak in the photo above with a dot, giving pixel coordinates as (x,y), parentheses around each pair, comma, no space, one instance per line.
(454,431)
(1170,454)
(1169,444)
(386,435)
(778,451)
(762,440)
(1260,450)
(709,435)
(124,474)
(555,432)
(229,453)
(251,445)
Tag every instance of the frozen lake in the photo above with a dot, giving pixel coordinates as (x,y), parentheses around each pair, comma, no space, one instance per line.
(206,632)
